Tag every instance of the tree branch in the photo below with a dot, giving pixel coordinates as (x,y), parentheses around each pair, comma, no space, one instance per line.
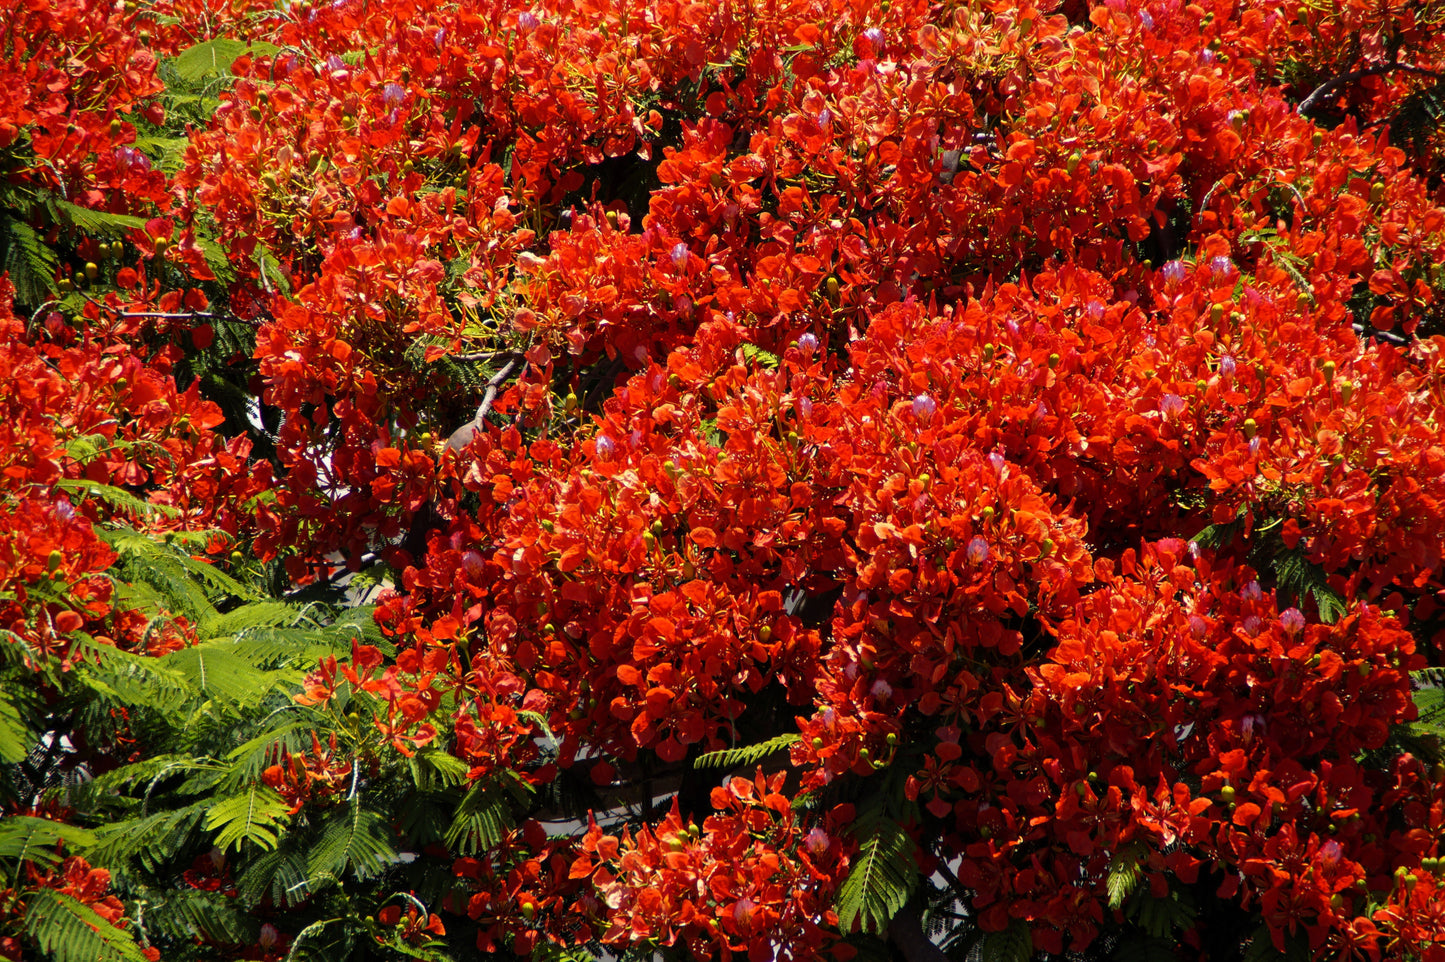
(1389,337)
(1316,98)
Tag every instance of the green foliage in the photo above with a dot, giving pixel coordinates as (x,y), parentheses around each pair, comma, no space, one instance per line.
(357,840)
(16,734)
(192,914)
(752,352)
(1123,877)
(67,930)
(24,838)
(1425,736)
(883,875)
(484,816)
(1161,918)
(213,58)
(1013,944)
(30,263)
(1296,578)
(1420,115)
(254,816)
(747,754)
(89,221)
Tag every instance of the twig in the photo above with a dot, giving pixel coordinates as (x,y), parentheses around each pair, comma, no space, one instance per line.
(493,385)
(1316,98)
(173,315)
(1389,337)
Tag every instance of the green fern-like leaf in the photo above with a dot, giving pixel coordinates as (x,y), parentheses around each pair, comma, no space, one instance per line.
(149,839)
(27,839)
(1013,944)
(432,770)
(217,671)
(90,221)
(1123,877)
(188,584)
(68,930)
(128,678)
(279,875)
(746,755)
(1429,686)
(29,261)
(752,352)
(356,840)
(254,816)
(212,60)
(481,821)
(111,786)
(1161,917)
(1296,578)
(1217,536)
(189,914)
(17,734)
(1420,114)
(118,498)
(883,875)
(249,759)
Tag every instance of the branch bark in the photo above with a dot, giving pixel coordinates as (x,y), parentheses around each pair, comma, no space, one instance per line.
(1316,98)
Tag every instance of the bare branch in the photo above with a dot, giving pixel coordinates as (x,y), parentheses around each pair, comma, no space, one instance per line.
(1316,99)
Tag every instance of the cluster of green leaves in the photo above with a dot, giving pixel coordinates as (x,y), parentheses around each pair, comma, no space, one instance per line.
(204,723)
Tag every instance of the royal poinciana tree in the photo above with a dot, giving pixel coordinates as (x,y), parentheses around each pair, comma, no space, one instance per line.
(774,478)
